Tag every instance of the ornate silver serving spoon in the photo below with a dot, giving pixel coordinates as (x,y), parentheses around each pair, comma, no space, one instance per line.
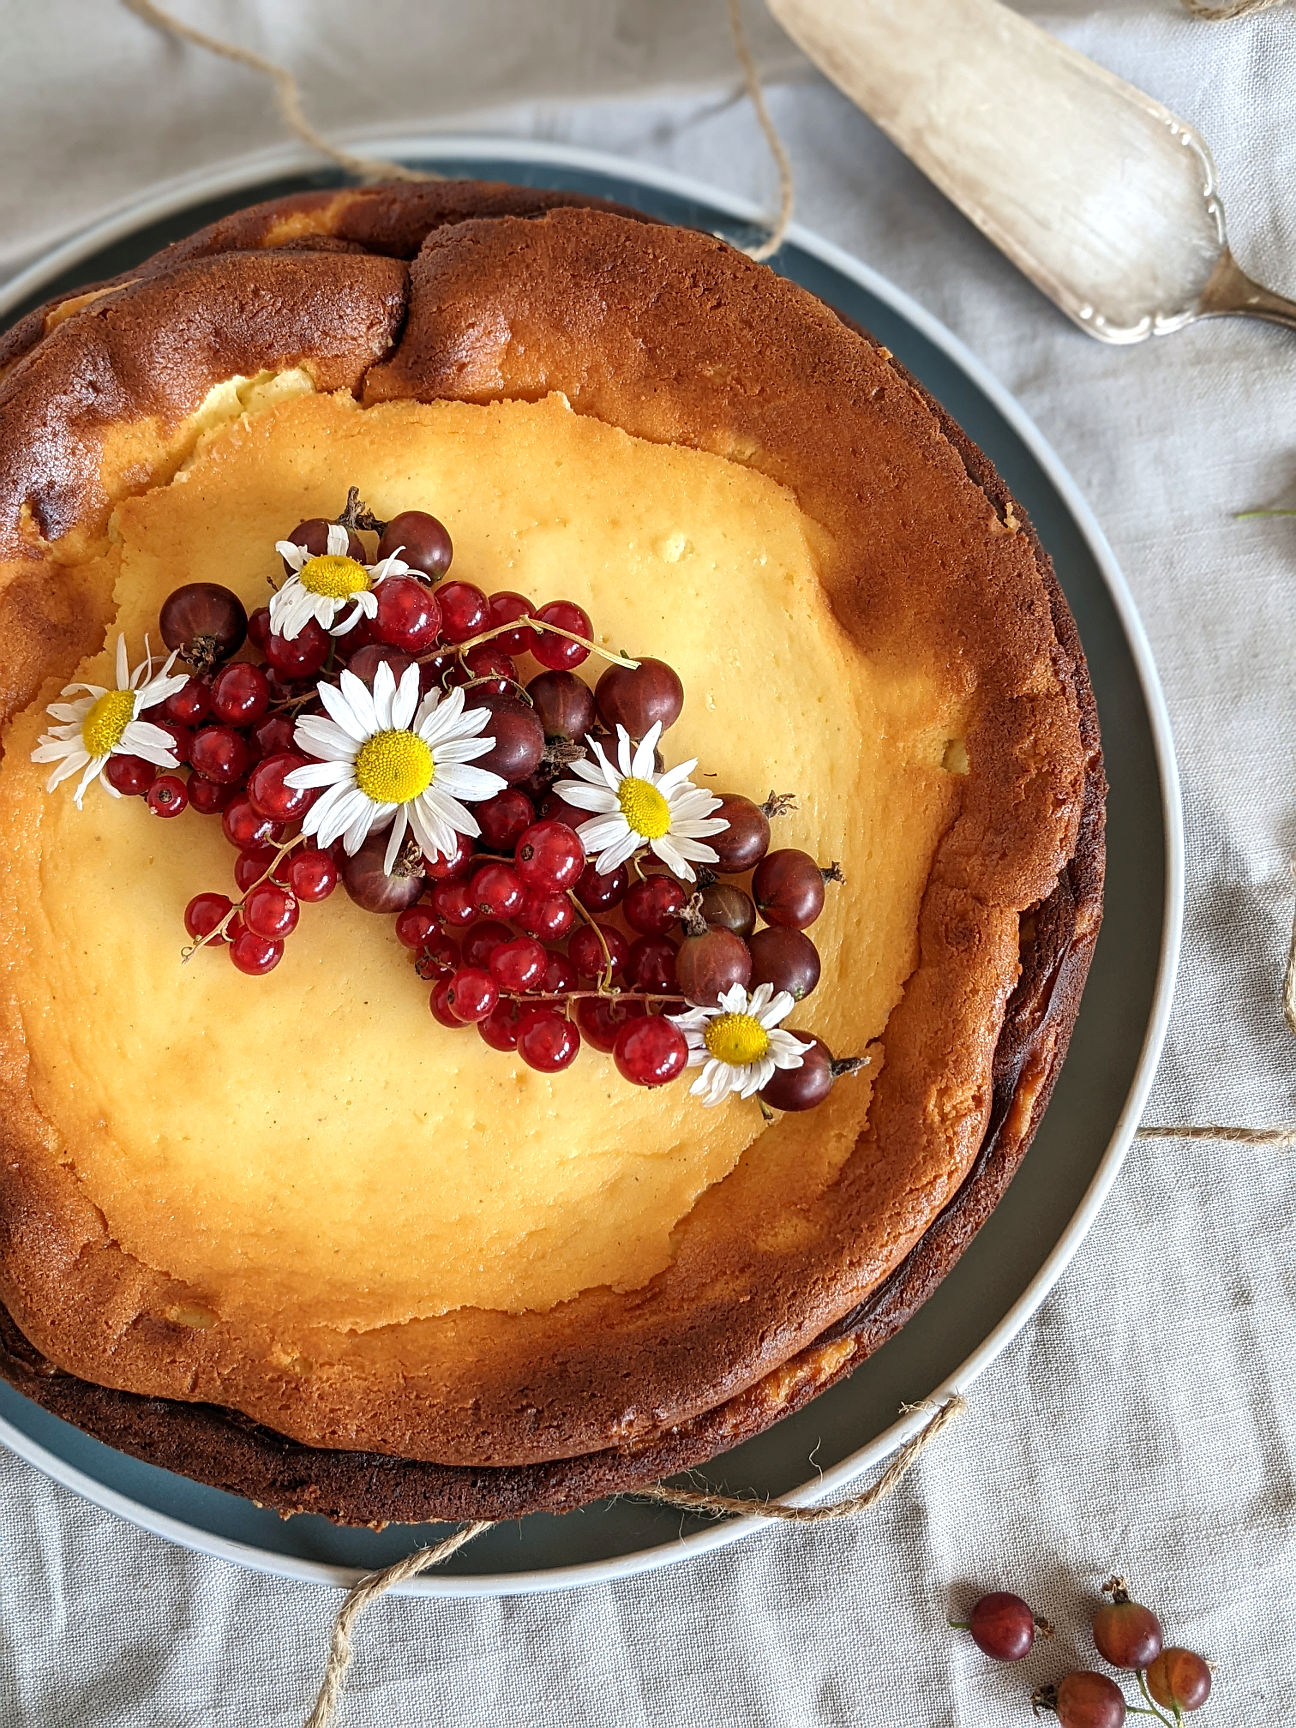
(1102,196)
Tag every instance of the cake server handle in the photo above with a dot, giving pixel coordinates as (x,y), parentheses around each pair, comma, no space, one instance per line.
(1231,293)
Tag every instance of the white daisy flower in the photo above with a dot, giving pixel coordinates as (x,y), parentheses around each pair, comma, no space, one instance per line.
(738,1044)
(385,757)
(105,723)
(638,807)
(323,585)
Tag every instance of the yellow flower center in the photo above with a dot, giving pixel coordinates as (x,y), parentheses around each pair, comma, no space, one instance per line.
(334,575)
(736,1038)
(644,808)
(103,726)
(394,767)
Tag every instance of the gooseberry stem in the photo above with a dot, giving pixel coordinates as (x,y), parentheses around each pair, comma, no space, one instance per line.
(527,622)
(281,852)
(1250,515)
(1152,1709)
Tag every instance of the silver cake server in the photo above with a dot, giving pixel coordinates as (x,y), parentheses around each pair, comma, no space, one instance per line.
(1102,196)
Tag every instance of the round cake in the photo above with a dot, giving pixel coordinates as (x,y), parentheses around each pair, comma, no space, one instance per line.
(273,1224)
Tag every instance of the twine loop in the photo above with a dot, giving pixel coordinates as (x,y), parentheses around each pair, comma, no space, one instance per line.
(376,1584)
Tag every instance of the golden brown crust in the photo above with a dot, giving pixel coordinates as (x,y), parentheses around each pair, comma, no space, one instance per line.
(673,336)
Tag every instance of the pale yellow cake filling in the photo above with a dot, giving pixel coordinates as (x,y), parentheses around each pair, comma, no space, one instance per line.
(314,1141)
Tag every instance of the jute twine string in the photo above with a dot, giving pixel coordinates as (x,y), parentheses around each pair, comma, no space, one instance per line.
(1216,14)
(376,1584)
(288,97)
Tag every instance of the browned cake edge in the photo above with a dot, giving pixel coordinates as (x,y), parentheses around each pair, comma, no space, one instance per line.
(224,1450)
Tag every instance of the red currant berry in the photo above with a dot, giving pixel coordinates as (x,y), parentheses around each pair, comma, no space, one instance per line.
(272,736)
(258,630)
(181,739)
(269,792)
(415,926)
(451,865)
(550,857)
(602,1018)
(519,964)
(454,904)
(560,976)
(1002,1625)
(187,706)
(204,622)
(251,866)
(640,698)
(500,1029)
(254,954)
(312,536)
(600,891)
(483,939)
(1125,1633)
(565,704)
(408,616)
(303,656)
(503,817)
(560,653)
(240,694)
(312,875)
(439,1003)
(167,796)
(502,608)
(245,828)
(489,669)
(130,775)
(419,540)
(438,957)
(220,753)
(598,948)
(463,610)
(650,1051)
(548,916)
(271,911)
(498,891)
(204,912)
(1179,1679)
(1083,1700)
(788,887)
(209,797)
(653,906)
(547,1041)
(650,965)
(472,994)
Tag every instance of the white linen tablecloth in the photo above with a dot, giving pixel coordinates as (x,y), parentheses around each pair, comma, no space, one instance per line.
(1143,1422)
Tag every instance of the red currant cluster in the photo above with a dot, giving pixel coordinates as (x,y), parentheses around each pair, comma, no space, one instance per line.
(519,932)
(1126,1635)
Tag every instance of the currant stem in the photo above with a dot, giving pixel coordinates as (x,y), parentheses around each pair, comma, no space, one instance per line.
(588,995)
(605,977)
(281,852)
(526,621)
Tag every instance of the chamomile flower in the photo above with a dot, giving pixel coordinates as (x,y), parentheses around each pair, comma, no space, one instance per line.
(105,723)
(635,807)
(388,759)
(739,1043)
(323,585)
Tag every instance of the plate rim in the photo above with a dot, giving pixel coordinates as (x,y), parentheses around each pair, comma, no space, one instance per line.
(171,197)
